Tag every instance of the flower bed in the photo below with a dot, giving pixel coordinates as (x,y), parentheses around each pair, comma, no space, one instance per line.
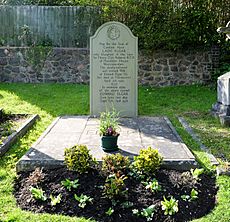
(115,192)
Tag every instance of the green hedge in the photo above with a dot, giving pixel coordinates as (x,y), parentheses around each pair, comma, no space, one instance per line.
(168,24)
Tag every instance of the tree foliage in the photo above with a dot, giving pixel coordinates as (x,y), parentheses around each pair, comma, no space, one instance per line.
(169,24)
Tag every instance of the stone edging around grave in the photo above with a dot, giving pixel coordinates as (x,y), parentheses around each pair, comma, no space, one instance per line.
(19,133)
(27,164)
(189,130)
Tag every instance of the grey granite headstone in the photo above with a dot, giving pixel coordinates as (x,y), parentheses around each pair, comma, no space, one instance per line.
(222,107)
(113,70)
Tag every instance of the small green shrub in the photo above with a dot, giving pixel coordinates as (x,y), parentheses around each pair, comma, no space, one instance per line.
(196,173)
(153,185)
(38,194)
(69,184)
(170,207)
(55,200)
(148,161)
(83,200)
(78,158)
(115,163)
(194,194)
(114,187)
(110,211)
(146,212)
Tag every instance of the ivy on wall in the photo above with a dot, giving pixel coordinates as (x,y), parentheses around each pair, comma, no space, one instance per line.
(36,56)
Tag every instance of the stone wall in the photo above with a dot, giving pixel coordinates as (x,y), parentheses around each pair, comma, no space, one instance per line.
(71,65)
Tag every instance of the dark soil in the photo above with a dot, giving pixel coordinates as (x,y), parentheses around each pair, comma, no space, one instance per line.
(91,185)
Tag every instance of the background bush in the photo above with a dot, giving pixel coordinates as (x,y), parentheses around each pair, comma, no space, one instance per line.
(167,24)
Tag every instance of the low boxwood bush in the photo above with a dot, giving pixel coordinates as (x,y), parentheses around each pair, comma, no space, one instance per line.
(79,159)
(115,163)
(148,161)
(115,187)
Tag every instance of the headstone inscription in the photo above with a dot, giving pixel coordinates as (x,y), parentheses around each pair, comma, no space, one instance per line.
(113,70)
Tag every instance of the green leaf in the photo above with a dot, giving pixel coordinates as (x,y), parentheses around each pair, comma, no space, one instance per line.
(55,200)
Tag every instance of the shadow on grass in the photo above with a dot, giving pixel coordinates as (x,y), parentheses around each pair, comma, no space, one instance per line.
(55,99)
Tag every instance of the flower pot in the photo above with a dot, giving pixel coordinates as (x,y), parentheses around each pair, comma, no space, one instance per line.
(109,143)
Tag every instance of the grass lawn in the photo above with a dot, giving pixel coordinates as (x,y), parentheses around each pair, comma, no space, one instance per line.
(51,100)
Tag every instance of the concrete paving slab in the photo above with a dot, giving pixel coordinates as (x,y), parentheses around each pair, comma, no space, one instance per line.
(135,134)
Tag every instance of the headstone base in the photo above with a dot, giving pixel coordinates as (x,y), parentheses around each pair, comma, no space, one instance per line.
(223,112)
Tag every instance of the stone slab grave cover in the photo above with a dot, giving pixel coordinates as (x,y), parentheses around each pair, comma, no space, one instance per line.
(113,70)
(136,133)
(222,107)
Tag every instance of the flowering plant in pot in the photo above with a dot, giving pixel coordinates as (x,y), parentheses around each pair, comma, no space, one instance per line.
(108,130)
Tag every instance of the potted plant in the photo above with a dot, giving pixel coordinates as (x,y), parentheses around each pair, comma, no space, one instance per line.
(108,130)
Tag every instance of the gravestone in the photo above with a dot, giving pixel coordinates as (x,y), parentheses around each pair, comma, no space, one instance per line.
(225,30)
(222,107)
(113,70)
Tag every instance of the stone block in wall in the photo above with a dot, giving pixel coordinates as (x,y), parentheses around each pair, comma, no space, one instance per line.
(157,67)
(190,57)
(185,62)
(72,65)
(182,68)
(174,68)
(3,61)
(145,67)
(162,61)
(172,61)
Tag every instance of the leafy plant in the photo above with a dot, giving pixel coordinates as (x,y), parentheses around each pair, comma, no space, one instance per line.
(68,184)
(196,173)
(109,123)
(136,174)
(114,186)
(110,211)
(38,194)
(78,158)
(55,200)
(170,207)
(146,212)
(185,197)
(36,176)
(127,204)
(148,161)
(183,179)
(193,196)
(83,199)
(187,179)
(153,185)
(115,163)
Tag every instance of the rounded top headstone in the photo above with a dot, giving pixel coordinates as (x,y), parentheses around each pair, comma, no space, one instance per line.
(113,30)
(113,70)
